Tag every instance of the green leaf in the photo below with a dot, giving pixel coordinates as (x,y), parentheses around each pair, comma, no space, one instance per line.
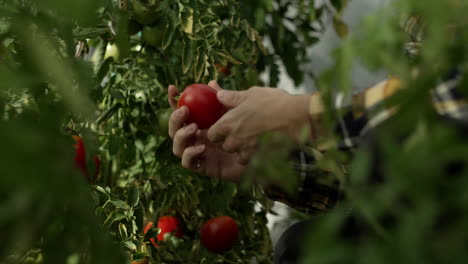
(228,58)
(120,204)
(101,190)
(104,69)
(87,33)
(187,21)
(114,216)
(130,245)
(200,66)
(341,28)
(168,36)
(133,196)
(187,56)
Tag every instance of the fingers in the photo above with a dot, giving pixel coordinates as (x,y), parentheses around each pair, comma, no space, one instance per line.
(171,93)
(232,145)
(191,155)
(214,84)
(231,99)
(219,131)
(245,155)
(183,138)
(177,120)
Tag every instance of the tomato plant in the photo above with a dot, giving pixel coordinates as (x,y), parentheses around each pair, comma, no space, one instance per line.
(204,107)
(58,76)
(219,234)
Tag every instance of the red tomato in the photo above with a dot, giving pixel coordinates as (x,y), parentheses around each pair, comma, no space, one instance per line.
(219,234)
(80,160)
(80,155)
(205,109)
(169,224)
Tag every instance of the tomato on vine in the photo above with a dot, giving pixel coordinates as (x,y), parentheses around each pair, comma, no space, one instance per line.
(204,107)
(163,120)
(168,225)
(144,14)
(153,35)
(219,234)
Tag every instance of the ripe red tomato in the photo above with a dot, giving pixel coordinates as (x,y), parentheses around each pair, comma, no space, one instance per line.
(80,160)
(219,234)
(80,155)
(169,224)
(205,109)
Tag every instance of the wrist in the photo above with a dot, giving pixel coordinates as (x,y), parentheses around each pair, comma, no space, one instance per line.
(298,121)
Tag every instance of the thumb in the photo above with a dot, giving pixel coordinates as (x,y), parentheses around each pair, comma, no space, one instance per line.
(231,99)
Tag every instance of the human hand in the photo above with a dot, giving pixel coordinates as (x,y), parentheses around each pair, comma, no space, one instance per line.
(192,145)
(254,112)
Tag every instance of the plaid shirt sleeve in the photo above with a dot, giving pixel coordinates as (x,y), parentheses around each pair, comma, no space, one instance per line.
(366,112)
(312,195)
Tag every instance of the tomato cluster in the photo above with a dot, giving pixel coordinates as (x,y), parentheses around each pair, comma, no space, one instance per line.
(147,17)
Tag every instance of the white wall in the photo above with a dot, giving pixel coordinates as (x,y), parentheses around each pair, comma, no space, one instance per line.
(320,54)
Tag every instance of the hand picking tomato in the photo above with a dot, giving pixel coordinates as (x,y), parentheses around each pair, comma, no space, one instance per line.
(205,109)
(219,234)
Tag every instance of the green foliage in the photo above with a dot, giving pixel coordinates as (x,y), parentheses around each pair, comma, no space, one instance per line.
(405,197)
(99,69)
